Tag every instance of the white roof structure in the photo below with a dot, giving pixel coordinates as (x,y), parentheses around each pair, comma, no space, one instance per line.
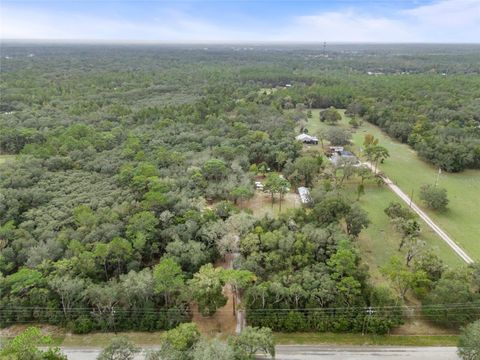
(304,195)
(306,137)
(336,148)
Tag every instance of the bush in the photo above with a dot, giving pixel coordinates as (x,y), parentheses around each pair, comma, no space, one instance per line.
(82,325)
(251,341)
(469,342)
(120,348)
(294,321)
(434,197)
(338,136)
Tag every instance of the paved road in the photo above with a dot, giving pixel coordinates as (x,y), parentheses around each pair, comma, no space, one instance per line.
(321,352)
(424,216)
(364,353)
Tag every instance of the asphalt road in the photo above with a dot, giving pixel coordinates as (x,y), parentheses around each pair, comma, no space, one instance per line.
(321,352)
(306,352)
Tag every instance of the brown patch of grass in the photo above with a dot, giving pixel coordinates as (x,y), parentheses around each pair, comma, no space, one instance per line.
(261,204)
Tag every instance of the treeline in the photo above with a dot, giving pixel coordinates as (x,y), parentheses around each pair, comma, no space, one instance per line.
(423,96)
(436,115)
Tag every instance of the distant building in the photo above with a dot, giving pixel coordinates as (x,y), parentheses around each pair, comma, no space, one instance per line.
(304,195)
(307,139)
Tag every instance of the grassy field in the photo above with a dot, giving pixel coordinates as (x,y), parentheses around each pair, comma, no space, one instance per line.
(5,158)
(358,339)
(380,241)
(147,339)
(410,172)
(460,220)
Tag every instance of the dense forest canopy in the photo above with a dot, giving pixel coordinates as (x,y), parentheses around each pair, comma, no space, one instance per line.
(426,95)
(132,161)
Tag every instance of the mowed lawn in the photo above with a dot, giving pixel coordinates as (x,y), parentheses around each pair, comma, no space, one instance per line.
(409,172)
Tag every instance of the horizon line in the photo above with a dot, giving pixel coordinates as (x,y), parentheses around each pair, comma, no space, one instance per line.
(233,42)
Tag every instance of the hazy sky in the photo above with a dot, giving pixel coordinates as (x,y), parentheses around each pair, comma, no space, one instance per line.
(244,20)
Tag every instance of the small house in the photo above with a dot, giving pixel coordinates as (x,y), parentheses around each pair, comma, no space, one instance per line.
(343,157)
(307,139)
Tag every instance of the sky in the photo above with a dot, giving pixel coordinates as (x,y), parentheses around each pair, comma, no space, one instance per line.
(243,21)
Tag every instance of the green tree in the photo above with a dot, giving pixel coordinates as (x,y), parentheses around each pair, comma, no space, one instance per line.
(25,347)
(440,304)
(120,250)
(356,220)
(213,349)
(239,280)
(369,140)
(408,229)
(469,342)
(168,277)
(434,197)
(396,210)
(141,229)
(307,167)
(402,278)
(137,288)
(431,263)
(181,339)
(376,154)
(241,193)
(71,291)
(206,288)
(276,184)
(189,255)
(120,348)
(338,136)
(251,341)
(214,169)
(330,116)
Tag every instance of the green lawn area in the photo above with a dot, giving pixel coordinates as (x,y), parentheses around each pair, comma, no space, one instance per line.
(380,241)
(103,339)
(409,172)
(358,339)
(146,339)
(5,158)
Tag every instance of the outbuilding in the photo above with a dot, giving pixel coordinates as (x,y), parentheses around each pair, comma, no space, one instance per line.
(343,157)
(307,139)
(304,195)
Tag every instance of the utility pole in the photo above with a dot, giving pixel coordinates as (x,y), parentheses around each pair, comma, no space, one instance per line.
(438,176)
(113,319)
(366,319)
(411,199)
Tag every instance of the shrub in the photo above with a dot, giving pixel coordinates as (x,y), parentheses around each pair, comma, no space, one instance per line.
(434,197)
(469,342)
(82,325)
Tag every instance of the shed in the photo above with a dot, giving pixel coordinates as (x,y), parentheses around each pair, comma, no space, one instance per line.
(304,195)
(307,139)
